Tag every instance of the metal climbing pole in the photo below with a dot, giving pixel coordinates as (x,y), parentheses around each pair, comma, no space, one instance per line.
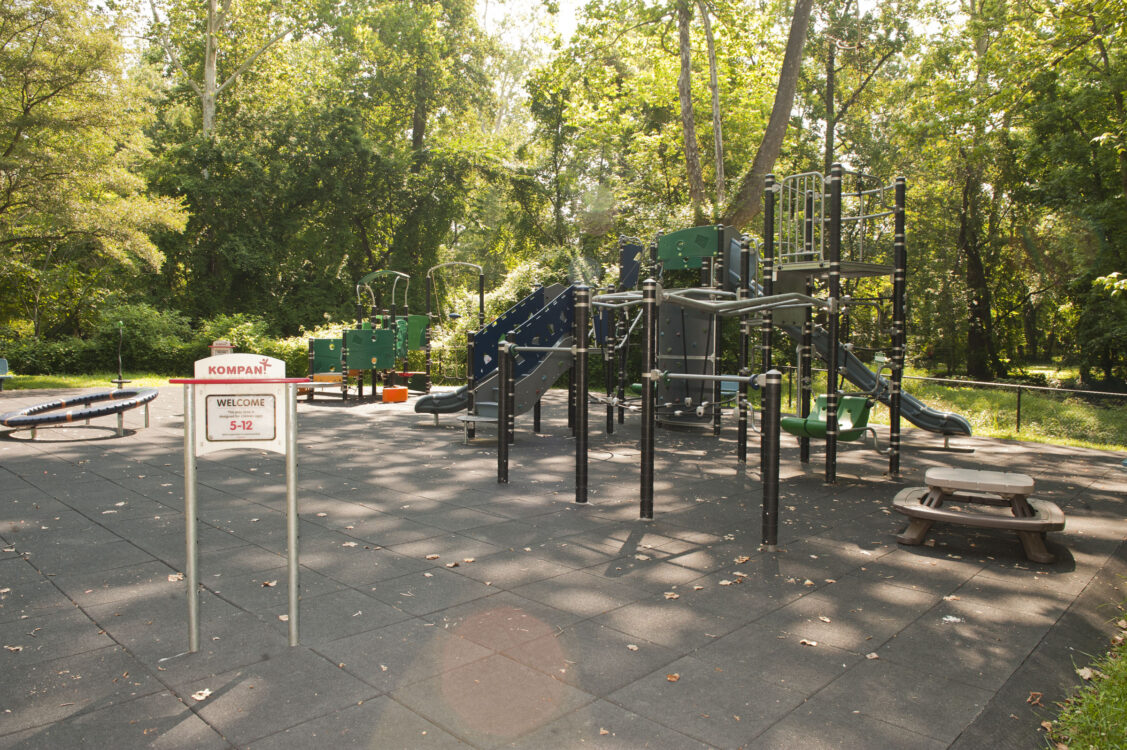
(899,324)
(744,292)
(834,314)
(649,314)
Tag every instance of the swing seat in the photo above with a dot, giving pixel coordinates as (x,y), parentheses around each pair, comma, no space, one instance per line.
(852,419)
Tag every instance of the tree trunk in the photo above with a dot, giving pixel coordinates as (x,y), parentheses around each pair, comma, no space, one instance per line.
(208,92)
(746,204)
(714,85)
(688,123)
(981,357)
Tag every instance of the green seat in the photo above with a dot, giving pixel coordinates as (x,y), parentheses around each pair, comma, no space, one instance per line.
(852,419)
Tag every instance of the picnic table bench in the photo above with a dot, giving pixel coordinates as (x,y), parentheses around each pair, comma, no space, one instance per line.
(1030,518)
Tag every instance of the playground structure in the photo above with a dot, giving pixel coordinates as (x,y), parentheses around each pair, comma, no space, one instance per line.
(812,239)
(379,344)
(789,281)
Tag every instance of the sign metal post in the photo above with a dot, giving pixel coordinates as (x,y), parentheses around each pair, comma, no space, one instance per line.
(235,401)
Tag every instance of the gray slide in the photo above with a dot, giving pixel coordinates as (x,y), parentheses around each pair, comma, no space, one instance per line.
(855,371)
(542,319)
(529,388)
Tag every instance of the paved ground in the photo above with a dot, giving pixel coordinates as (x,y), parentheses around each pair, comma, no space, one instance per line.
(442,610)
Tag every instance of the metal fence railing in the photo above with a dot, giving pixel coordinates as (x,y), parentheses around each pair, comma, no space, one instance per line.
(1018,388)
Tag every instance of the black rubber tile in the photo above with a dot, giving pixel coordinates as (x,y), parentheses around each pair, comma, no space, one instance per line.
(906,697)
(491,702)
(401,653)
(429,591)
(337,614)
(51,691)
(855,614)
(592,657)
(677,624)
(820,725)
(50,635)
(585,593)
(502,621)
(707,702)
(263,698)
(604,725)
(376,723)
(764,653)
(969,643)
(159,721)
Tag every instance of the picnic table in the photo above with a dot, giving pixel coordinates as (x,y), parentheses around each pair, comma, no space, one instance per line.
(1030,518)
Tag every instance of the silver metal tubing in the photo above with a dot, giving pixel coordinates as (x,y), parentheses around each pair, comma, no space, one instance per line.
(862,217)
(742,306)
(291,506)
(749,379)
(514,349)
(191,559)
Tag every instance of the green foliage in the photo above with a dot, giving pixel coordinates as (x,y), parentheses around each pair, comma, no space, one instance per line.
(75,219)
(1096,717)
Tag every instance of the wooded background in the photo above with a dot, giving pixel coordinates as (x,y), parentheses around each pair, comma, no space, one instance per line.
(189,167)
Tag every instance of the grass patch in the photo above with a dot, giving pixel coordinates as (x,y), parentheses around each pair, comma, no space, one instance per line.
(95,380)
(1098,422)
(1096,717)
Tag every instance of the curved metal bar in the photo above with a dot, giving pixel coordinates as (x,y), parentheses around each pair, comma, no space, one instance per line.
(432,269)
(48,412)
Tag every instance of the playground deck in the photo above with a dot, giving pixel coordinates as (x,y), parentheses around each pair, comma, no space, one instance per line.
(443,610)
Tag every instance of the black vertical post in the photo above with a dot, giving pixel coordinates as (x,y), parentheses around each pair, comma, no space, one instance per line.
(717,283)
(582,315)
(471,430)
(511,393)
(768,283)
(575,333)
(649,317)
(504,362)
(344,370)
(536,416)
(806,371)
(744,292)
(707,268)
(610,320)
(899,324)
(806,350)
(772,397)
(620,334)
(426,332)
(312,356)
(833,326)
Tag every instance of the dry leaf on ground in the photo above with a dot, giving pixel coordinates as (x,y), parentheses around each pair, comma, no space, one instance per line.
(673,677)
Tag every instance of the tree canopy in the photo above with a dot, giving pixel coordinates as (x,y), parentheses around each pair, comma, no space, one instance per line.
(254,157)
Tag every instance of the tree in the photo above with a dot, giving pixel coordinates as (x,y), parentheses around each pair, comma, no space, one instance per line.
(746,203)
(73,204)
(227,37)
